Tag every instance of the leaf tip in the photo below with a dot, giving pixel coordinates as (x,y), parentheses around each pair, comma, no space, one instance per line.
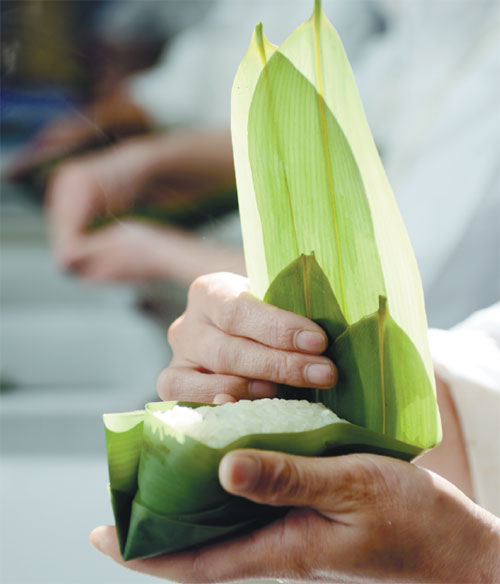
(317,11)
(260,42)
(382,307)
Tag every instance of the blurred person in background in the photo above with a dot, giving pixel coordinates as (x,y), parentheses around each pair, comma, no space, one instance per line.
(427,75)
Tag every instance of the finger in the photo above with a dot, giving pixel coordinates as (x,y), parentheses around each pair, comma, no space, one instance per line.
(238,313)
(81,255)
(70,203)
(228,355)
(187,384)
(222,398)
(248,556)
(97,256)
(335,486)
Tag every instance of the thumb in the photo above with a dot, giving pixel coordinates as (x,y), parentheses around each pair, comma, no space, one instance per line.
(336,486)
(275,478)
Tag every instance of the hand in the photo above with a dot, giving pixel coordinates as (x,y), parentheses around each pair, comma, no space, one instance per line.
(141,250)
(228,345)
(79,191)
(123,251)
(107,183)
(358,518)
(110,117)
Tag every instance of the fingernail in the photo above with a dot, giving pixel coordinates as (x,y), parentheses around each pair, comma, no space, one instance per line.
(223,398)
(310,341)
(319,374)
(259,389)
(240,473)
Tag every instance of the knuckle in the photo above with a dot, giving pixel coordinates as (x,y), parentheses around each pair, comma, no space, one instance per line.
(280,335)
(175,330)
(198,287)
(283,480)
(366,482)
(285,369)
(230,314)
(170,383)
(163,382)
(205,285)
(231,386)
(219,359)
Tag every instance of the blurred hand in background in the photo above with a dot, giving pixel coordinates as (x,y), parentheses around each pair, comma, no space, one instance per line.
(106,120)
(152,170)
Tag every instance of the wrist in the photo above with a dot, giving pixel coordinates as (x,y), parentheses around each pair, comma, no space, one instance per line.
(486,567)
(469,546)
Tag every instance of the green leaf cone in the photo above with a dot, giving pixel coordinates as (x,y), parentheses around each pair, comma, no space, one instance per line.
(323,237)
(178,502)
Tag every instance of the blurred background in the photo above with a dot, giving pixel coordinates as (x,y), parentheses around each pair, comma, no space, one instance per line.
(117,190)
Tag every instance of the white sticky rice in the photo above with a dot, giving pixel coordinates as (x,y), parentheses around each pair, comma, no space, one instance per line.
(219,426)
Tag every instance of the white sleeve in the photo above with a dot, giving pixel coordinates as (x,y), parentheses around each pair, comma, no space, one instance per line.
(467,357)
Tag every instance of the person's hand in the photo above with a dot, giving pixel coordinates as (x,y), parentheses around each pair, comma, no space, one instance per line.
(151,168)
(228,345)
(97,124)
(141,250)
(97,185)
(122,251)
(357,518)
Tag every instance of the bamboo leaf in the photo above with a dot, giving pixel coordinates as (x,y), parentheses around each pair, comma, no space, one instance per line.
(303,288)
(151,534)
(320,188)
(258,53)
(308,189)
(383,384)
(178,501)
(158,515)
(123,446)
(316,50)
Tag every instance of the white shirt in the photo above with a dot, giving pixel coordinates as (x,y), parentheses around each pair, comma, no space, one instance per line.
(467,357)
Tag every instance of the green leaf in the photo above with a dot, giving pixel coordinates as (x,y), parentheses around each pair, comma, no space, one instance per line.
(258,53)
(151,534)
(383,384)
(124,446)
(316,50)
(178,501)
(319,187)
(308,189)
(303,288)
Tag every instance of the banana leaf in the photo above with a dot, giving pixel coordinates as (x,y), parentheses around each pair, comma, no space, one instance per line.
(164,485)
(322,233)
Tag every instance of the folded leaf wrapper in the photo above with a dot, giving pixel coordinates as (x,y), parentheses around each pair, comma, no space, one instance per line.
(323,238)
(165,489)
(322,232)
